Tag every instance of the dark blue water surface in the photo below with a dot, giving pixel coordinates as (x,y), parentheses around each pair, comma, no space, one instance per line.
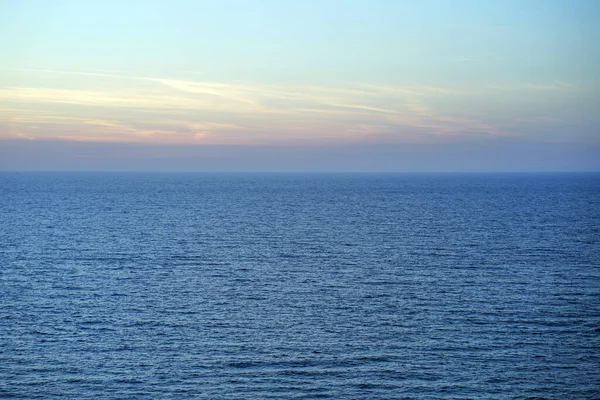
(299,286)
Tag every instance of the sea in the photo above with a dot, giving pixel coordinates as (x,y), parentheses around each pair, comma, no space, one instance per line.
(299,286)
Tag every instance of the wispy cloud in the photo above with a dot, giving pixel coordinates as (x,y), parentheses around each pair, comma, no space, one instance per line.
(192,111)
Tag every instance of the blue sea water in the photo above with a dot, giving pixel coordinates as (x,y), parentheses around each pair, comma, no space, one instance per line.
(258,286)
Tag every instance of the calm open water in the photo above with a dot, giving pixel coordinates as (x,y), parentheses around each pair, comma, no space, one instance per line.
(251,286)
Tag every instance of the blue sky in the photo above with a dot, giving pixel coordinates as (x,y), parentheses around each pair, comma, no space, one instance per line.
(241,79)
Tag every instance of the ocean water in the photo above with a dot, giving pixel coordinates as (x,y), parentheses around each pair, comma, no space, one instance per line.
(258,286)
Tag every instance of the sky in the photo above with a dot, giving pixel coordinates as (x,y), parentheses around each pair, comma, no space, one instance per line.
(325,85)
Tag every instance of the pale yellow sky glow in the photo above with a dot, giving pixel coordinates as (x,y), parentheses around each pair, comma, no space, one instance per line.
(176,111)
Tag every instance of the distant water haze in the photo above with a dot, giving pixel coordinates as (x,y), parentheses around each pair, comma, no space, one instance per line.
(486,156)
